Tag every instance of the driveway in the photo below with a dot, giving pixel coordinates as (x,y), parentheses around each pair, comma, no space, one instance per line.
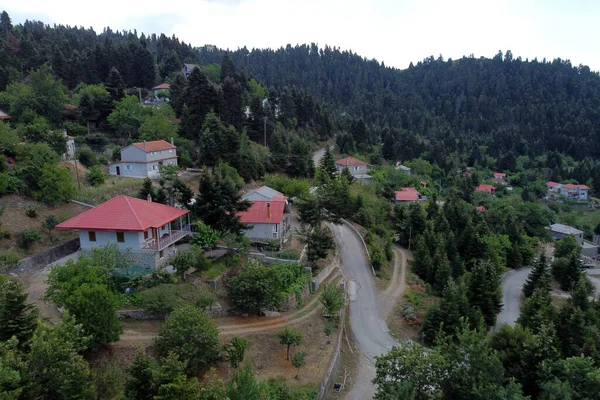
(369,328)
(512,286)
(319,154)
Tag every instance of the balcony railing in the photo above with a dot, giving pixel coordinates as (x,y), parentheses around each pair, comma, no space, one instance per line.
(166,240)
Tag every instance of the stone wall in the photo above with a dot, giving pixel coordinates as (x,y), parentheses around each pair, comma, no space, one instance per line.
(49,256)
(331,373)
(291,303)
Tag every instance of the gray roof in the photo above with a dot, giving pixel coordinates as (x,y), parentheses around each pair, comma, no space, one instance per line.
(404,168)
(565,229)
(190,66)
(266,192)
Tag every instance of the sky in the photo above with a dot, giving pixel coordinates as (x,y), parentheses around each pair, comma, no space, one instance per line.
(396,32)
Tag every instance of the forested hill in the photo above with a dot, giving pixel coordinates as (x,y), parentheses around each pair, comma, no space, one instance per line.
(505,103)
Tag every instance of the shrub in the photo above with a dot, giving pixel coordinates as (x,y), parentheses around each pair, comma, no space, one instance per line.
(27,238)
(74,129)
(31,211)
(205,236)
(9,258)
(332,300)
(4,235)
(95,176)
(87,157)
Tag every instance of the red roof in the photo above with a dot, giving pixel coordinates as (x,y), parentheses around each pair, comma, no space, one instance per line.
(481,209)
(551,184)
(123,213)
(499,174)
(572,186)
(351,162)
(498,180)
(484,187)
(162,86)
(407,195)
(409,189)
(155,145)
(258,212)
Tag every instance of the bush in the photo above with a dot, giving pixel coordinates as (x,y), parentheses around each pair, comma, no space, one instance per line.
(74,129)
(9,258)
(204,235)
(87,157)
(4,235)
(95,176)
(31,211)
(27,238)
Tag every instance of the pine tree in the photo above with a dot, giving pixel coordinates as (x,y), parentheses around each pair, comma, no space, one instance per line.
(484,290)
(514,258)
(177,94)
(537,311)
(539,277)
(327,164)
(200,98)
(115,85)
(347,176)
(17,317)
(231,110)
(228,69)
(443,272)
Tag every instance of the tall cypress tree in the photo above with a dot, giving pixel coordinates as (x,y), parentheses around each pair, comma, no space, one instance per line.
(233,103)
(200,98)
(484,290)
(539,277)
(327,164)
(115,85)
(178,94)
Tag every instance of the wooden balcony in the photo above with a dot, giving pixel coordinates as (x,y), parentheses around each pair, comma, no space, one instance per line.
(166,240)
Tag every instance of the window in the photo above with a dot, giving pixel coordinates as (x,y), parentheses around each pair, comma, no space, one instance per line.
(128,167)
(161,253)
(121,237)
(92,236)
(356,168)
(170,150)
(275,227)
(145,234)
(154,168)
(153,153)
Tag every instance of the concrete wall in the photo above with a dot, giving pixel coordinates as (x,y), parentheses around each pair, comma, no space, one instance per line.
(49,256)
(138,170)
(329,378)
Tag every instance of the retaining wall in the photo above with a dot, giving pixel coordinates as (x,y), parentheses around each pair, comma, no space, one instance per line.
(330,375)
(49,256)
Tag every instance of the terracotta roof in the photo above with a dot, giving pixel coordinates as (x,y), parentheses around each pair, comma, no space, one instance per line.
(485,188)
(499,174)
(123,213)
(572,186)
(258,212)
(4,115)
(162,86)
(552,184)
(407,195)
(155,145)
(481,209)
(408,189)
(499,180)
(351,162)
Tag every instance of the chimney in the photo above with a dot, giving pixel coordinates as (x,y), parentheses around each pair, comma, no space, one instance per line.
(144,145)
(172,143)
(268,210)
(149,197)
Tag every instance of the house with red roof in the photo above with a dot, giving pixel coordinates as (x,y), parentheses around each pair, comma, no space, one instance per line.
(359,169)
(485,188)
(144,159)
(573,191)
(406,195)
(147,230)
(481,209)
(553,186)
(499,177)
(4,116)
(158,88)
(267,219)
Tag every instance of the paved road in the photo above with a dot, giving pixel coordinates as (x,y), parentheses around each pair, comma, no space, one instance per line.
(369,328)
(512,285)
(319,154)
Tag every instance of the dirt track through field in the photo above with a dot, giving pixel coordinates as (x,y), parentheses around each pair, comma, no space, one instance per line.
(397,284)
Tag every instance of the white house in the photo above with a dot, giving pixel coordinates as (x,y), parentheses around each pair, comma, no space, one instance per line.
(559,231)
(358,169)
(267,220)
(574,192)
(162,86)
(144,159)
(187,69)
(145,229)
(403,168)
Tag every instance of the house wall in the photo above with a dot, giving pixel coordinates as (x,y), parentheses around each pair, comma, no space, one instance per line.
(559,235)
(140,170)
(263,231)
(133,240)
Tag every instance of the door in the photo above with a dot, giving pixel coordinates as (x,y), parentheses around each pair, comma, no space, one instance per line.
(118,170)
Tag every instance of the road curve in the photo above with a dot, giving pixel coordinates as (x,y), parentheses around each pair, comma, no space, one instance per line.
(317,155)
(369,328)
(512,286)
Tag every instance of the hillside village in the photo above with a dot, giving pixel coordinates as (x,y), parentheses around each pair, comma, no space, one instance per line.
(173,226)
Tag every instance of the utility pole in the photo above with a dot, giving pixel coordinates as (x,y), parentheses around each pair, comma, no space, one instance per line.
(265,121)
(409,237)
(76,167)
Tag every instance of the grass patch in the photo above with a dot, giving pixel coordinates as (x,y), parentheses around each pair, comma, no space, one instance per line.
(9,258)
(113,186)
(215,270)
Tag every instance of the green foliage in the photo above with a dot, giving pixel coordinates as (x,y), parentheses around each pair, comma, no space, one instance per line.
(291,187)
(55,367)
(235,349)
(566,247)
(165,298)
(204,235)
(55,185)
(108,380)
(566,270)
(255,286)
(33,161)
(31,211)
(17,317)
(27,238)
(245,386)
(186,260)
(484,291)
(319,242)
(539,277)
(192,336)
(571,378)
(332,299)
(95,176)
(289,337)
(86,157)
(9,258)
(127,117)
(299,360)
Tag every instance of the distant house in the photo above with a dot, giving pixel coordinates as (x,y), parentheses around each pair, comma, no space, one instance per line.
(574,192)
(162,86)
(403,168)
(147,230)
(144,159)
(481,209)
(559,231)
(265,193)
(4,116)
(187,69)
(406,195)
(70,154)
(358,169)
(553,186)
(499,177)
(267,220)
(485,188)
